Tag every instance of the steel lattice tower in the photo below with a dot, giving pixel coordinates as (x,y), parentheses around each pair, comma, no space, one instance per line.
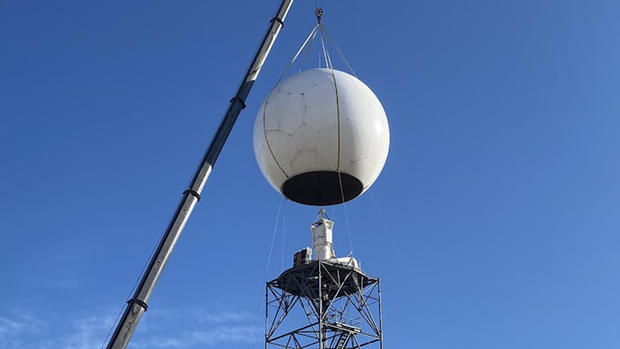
(327,303)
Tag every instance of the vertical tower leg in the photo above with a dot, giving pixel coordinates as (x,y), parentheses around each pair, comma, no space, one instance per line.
(321,313)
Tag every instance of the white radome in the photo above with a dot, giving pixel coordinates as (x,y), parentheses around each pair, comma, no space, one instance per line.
(321,137)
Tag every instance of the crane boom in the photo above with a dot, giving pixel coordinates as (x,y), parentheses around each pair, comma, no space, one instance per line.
(137,305)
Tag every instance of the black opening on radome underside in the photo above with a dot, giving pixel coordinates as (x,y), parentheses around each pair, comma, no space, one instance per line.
(320,188)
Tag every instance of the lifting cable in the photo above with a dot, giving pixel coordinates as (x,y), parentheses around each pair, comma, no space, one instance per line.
(283,235)
(304,51)
(386,230)
(328,62)
(273,237)
(309,39)
(269,255)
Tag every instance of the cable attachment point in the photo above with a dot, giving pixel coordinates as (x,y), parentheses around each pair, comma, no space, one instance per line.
(319,14)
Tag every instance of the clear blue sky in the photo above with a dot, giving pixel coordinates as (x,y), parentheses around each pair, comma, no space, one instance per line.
(499,203)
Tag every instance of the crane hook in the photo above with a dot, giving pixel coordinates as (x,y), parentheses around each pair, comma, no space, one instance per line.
(319,14)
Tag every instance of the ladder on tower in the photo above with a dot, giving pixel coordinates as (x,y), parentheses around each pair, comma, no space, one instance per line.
(342,340)
(346,331)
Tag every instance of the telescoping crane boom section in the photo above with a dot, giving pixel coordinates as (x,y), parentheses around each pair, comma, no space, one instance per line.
(137,305)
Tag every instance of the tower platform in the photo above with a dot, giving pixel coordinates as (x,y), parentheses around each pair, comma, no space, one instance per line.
(337,280)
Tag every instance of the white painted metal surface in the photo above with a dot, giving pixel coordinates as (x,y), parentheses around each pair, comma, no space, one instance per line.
(322,239)
(321,120)
(349,261)
(322,242)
